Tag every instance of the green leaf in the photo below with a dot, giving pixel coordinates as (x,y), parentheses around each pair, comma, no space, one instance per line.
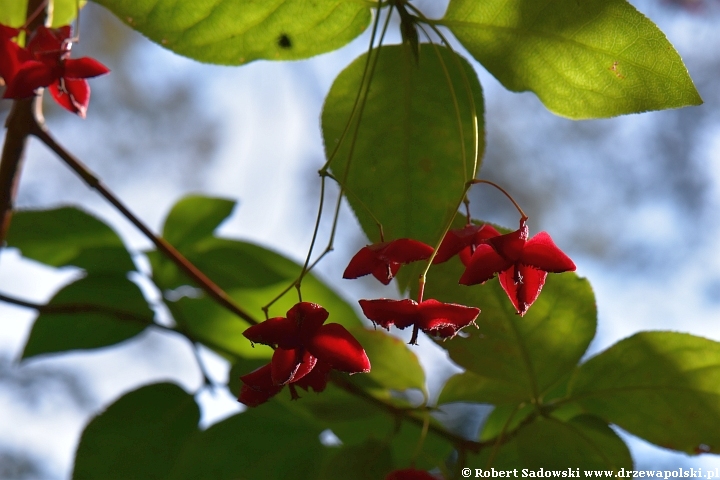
(13,12)
(234,32)
(65,11)
(69,236)
(509,358)
(93,312)
(661,386)
(195,217)
(139,436)
(267,442)
(408,166)
(584,442)
(394,365)
(583,59)
(370,460)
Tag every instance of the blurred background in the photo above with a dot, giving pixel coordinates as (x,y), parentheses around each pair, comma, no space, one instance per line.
(633,200)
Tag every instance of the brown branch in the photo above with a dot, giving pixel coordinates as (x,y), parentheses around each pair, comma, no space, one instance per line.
(207,285)
(19,123)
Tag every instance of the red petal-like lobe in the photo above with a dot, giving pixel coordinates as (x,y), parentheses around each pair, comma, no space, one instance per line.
(275,331)
(522,294)
(257,387)
(445,319)
(542,253)
(252,397)
(45,42)
(335,345)
(363,263)
(12,56)
(84,67)
(6,33)
(386,312)
(484,264)
(454,242)
(410,474)
(30,76)
(72,94)
(284,365)
(510,246)
(308,317)
(259,378)
(317,379)
(385,272)
(405,250)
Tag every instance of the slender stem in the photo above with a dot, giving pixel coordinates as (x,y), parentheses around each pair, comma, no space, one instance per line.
(207,285)
(477,180)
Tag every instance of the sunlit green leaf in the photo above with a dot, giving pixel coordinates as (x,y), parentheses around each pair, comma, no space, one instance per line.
(195,217)
(13,12)
(93,312)
(68,236)
(139,436)
(512,358)
(661,386)
(411,158)
(584,59)
(233,32)
(267,442)
(64,12)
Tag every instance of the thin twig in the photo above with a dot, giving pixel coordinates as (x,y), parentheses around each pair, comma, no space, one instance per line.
(207,285)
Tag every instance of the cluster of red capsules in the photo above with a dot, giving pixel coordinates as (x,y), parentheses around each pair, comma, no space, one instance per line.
(521,264)
(46,62)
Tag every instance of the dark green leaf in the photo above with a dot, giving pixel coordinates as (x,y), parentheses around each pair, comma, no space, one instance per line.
(661,386)
(411,158)
(394,365)
(69,236)
(139,436)
(93,312)
(268,442)
(584,442)
(584,59)
(233,32)
(194,218)
(371,460)
(511,359)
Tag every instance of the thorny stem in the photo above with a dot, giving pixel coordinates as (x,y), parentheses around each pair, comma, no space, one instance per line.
(208,286)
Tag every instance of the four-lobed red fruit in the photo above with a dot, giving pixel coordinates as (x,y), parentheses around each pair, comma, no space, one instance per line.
(435,318)
(383,260)
(302,338)
(46,62)
(522,264)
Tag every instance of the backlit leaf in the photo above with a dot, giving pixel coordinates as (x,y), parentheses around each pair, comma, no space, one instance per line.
(584,59)
(661,386)
(408,166)
(234,32)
